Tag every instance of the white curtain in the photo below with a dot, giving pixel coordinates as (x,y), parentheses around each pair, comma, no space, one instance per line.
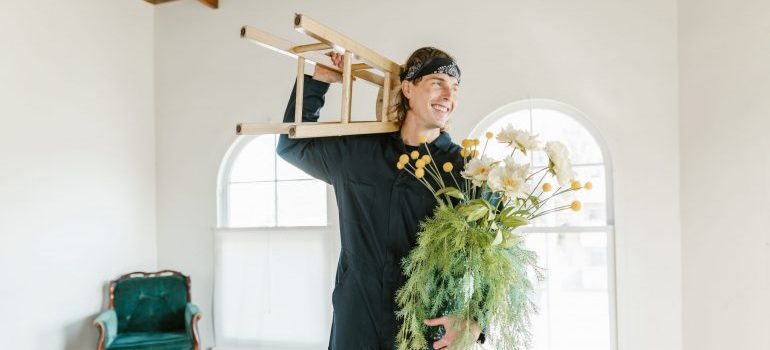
(273,287)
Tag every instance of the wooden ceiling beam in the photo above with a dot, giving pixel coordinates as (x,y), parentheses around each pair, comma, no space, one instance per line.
(210,3)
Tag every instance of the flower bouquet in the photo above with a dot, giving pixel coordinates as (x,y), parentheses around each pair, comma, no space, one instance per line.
(469,261)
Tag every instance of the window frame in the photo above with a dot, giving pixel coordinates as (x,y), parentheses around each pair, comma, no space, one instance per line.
(531,104)
(223,176)
(331,246)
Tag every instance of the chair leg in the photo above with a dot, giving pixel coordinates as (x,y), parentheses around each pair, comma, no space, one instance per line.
(196,337)
(100,345)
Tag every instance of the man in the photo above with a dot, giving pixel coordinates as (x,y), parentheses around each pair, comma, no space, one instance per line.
(380,207)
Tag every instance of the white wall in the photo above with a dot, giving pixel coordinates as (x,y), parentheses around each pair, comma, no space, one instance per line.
(77,143)
(77,172)
(614,60)
(725,118)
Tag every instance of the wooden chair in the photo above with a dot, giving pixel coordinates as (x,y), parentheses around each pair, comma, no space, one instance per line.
(359,63)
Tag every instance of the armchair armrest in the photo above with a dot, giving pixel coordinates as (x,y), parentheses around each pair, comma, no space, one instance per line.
(107,323)
(191,316)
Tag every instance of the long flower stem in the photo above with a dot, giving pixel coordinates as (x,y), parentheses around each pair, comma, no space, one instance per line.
(533,174)
(559,191)
(542,203)
(422,180)
(563,207)
(436,177)
(533,191)
(454,179)
(433,162)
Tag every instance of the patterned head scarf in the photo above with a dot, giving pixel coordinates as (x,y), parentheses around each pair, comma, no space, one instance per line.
(431,66)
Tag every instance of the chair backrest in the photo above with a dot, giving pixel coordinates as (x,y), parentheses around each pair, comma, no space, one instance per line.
(150,302)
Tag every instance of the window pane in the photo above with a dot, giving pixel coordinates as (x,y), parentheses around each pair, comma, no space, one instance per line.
(273,288)
(286,171)
(256,161)
(549,125)
(594,204)
(553,125)
(251,204)
(301,203)
(574,298)
(497,150)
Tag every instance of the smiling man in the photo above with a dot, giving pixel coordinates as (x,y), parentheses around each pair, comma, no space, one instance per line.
(379,207)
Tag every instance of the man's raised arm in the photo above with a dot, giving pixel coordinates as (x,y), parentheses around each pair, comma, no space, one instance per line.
(312,155)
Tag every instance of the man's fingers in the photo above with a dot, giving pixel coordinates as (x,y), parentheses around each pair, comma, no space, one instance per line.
(441,344)
(436,321)
(337,60)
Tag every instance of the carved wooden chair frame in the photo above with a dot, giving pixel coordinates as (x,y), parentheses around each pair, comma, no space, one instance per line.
(196,317)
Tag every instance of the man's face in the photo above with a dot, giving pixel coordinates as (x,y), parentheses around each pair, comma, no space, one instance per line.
(432,100)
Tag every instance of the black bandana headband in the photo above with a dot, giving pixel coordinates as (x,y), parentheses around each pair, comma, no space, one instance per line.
(431,66)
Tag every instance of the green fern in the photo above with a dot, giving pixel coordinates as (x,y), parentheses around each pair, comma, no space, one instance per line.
(455,270)
(469,262)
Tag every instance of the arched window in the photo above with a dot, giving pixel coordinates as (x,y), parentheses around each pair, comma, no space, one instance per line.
(251,180)
(577,300)
(274,251)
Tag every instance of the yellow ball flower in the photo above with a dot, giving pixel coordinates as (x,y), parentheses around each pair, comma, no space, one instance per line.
(448,167)
(575,185)
(547,187)
(576,205)
(588,185)
(423,138)
(415,154)
(426,159)
(400,165)
(419,164)
(465,153)
(403,159)
(419,173)
(476,142)
(467,143)
(489,135)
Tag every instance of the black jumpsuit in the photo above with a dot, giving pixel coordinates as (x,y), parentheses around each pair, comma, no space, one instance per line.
(380,208)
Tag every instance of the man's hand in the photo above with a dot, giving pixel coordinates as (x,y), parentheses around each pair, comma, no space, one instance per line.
(326,75)
(451,333)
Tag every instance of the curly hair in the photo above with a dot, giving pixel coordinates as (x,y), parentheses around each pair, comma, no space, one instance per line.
(400,102)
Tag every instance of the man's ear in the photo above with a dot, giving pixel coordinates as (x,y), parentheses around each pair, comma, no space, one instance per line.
(406,88)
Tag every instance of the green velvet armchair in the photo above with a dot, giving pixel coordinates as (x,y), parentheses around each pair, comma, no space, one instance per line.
(149,311)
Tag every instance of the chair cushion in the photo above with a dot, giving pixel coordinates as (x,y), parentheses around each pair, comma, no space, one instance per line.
(151,304)
(151,341)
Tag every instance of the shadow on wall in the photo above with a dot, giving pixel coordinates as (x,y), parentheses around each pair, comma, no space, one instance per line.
(82,334)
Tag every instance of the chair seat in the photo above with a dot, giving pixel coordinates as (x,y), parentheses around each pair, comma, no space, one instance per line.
(151,341)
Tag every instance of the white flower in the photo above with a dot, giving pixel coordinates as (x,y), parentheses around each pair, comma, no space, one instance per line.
(477,170)
(559,164)
(510,179)
(516,138)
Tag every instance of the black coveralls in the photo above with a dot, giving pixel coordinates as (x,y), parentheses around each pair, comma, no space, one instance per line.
(380,208)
